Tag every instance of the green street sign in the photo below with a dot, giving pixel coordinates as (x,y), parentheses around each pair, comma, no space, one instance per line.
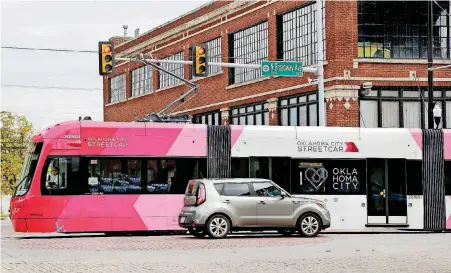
(282,69)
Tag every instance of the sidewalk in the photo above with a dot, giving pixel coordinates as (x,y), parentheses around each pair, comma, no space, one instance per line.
(385,230)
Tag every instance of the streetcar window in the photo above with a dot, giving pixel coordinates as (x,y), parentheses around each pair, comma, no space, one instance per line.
(240,167)
(114,175)
(61,176)
(28,168)
(56,176)
(344,176)
(414,177)
(171,176)
(160,175)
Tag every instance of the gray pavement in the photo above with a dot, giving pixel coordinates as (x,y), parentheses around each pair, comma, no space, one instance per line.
(399,252)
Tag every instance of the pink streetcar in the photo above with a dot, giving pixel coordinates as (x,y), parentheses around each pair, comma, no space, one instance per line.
(88,176)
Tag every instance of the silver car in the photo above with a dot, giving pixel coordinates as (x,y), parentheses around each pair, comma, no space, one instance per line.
(215,207)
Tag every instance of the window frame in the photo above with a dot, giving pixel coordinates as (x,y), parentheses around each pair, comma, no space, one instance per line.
(266,182)
(164,79)
(82,187)
(253,38)
(119,92)
(237,183)
(389,40)
(400,98)
(298,105)
(263,111)
(311,46)
(197,119)
(142,81)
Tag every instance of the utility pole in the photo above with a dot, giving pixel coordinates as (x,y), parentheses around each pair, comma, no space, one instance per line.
(320,62)
(430,26)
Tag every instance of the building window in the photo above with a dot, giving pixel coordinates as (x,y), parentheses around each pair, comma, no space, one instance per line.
(402,107)
(297,37)
(248,46)
(404,35)
(117,88)
(142,81)
(252,114)
(301,110)
(167,80)
(211,118)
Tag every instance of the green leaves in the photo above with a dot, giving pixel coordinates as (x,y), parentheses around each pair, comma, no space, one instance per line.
(16,132)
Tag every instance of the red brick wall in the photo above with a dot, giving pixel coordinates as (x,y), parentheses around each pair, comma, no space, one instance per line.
(341,46)
(339,115)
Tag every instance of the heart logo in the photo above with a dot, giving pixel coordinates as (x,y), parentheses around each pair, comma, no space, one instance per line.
(316,177)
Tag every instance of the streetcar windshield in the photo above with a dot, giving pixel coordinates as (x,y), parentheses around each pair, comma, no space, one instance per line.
(28,167)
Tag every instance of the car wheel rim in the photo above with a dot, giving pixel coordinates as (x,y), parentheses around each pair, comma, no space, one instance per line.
(309,225)
(218,227)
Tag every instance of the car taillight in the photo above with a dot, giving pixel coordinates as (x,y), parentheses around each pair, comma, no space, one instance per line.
(201,196)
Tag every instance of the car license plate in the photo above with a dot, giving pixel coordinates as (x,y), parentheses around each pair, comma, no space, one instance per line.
(182,219)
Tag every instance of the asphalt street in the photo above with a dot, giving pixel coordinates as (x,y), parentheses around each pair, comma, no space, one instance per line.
(398,252)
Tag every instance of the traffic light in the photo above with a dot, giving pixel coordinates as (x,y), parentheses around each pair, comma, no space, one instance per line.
(106,58)
(200,64)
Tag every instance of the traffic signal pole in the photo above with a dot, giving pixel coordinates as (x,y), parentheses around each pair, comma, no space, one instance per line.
(320,62)
(430,26)
(235,65)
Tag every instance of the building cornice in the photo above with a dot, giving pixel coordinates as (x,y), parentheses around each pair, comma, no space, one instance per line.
(221,13)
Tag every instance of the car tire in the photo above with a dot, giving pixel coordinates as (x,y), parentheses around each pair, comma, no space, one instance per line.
(309,225)
(197,233)
(218,226)
(286,232)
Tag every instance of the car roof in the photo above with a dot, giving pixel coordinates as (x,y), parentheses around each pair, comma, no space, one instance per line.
(232,180)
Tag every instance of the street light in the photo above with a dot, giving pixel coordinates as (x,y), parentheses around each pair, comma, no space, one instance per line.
(437,112)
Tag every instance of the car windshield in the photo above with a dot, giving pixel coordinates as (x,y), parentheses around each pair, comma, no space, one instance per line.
(28,167)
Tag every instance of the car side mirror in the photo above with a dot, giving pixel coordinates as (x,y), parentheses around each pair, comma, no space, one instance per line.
(283,195)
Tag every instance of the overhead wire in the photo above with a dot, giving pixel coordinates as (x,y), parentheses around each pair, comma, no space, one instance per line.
(91,51)
(50,49)
(51,87)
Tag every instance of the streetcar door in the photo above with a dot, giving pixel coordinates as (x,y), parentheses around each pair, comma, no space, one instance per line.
(386,192)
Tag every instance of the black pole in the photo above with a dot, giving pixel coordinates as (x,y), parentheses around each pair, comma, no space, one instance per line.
(430,60)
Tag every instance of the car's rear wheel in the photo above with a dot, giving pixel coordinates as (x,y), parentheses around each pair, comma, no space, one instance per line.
(218,226)
(309,225)
(197,232)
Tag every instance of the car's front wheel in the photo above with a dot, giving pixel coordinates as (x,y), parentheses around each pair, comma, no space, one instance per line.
(309,225)
(197,233)
(218,226)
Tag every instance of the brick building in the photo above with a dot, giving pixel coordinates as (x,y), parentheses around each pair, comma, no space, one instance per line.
(382,42)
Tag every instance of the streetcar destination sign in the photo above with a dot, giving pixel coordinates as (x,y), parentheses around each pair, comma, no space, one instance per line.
(283,69)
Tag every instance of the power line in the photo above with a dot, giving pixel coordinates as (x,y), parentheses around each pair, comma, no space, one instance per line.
(50,49)
(93,51)
(51,87)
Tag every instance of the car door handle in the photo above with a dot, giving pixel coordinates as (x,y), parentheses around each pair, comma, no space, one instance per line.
(226,201)
(296,202)
(262,202)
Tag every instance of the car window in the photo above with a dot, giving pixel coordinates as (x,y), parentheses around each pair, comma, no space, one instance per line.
(219,187)
(266,189)
(236,189)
